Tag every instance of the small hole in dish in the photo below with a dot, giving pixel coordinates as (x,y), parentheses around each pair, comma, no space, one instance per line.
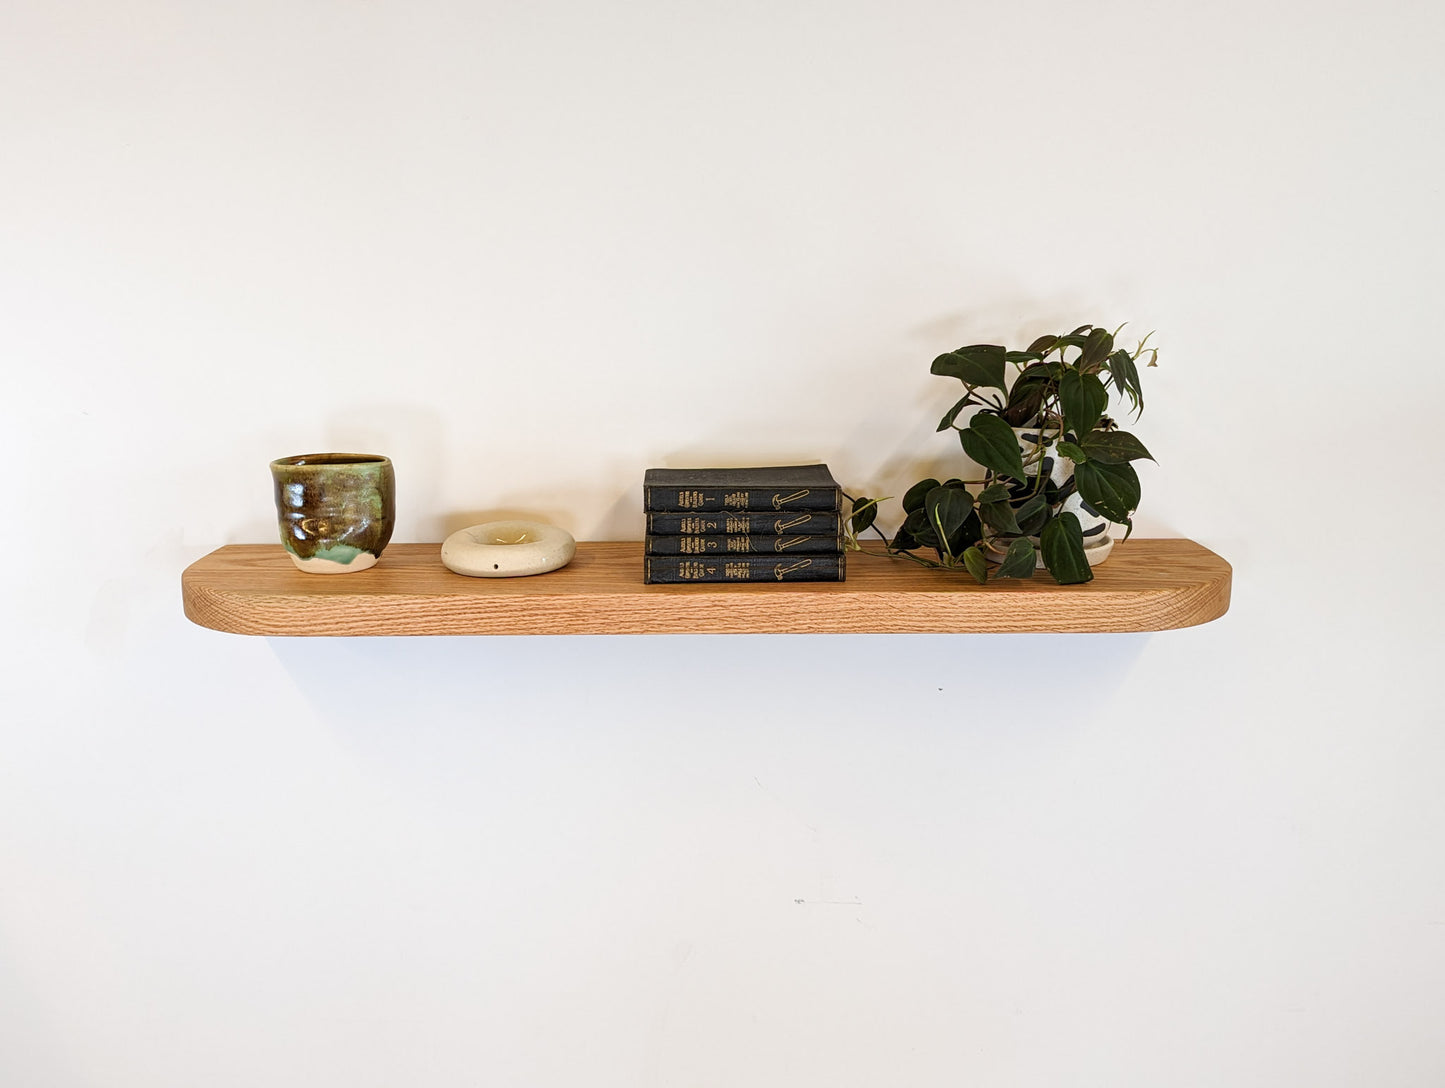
(496,566)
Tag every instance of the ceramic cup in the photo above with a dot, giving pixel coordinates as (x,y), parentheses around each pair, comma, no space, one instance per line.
(336,509)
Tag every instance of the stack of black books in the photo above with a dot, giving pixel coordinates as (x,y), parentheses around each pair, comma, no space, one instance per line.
(743,525)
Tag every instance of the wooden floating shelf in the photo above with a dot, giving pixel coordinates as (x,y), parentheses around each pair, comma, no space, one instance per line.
(252,589)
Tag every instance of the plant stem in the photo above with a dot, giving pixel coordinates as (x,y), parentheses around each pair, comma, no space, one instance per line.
(904,555)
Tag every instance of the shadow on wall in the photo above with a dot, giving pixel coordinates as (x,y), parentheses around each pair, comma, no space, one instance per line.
(427,467)
(458,709)
(1014,323)
(621,521)
(415,439)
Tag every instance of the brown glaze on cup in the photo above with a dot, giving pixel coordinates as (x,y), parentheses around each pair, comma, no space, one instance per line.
(336,510)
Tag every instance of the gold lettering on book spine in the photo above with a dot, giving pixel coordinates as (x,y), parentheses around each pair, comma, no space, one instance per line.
(690,570)
(782,570)
(694,545)
(689,500)
(780,501)
(740,571)
(740,544)
(736,523)
(697,525)
(736,500)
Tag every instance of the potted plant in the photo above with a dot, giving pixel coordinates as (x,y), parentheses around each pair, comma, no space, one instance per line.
(1056,466)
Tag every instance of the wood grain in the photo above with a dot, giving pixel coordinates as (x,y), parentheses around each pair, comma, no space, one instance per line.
(252,589)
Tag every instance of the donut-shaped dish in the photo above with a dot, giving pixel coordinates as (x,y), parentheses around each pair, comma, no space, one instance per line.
(507,549)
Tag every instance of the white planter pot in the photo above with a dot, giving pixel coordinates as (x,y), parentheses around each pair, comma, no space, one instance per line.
(1060,470)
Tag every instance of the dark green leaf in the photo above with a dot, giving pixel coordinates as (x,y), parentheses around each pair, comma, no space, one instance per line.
(1084,399)
(920,529)
(999,516)
(1033,515)
(914,496)
(1113,490)
(1096,349)
(971,532)
(994,493)
(903,541)
(977,565)
(1022,356)
(1062,543)
(1044,344)
(948,508)
(952,414)
(1081,329)
(1027,395)
(1036,372)
(1019,561)
(980,364)
(1072,452)
(990,441)
(865,512)
(1126,378)
(1114,447)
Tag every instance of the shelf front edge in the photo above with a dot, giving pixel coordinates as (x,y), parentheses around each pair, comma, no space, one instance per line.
(1148,585)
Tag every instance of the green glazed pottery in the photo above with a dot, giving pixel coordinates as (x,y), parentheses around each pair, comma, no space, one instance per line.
(336,510)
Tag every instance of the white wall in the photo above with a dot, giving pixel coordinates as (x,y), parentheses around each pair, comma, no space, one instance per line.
(529,250)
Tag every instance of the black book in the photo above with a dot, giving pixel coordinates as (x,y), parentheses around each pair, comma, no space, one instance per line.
(771,544)
(762,569)
(708,490)
(745,522)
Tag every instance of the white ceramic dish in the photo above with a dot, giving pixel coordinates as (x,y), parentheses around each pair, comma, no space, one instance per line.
(508,549)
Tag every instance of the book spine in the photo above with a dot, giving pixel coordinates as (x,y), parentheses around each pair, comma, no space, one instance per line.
(720,499)
(746,523)
(762,569)
(771,544)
